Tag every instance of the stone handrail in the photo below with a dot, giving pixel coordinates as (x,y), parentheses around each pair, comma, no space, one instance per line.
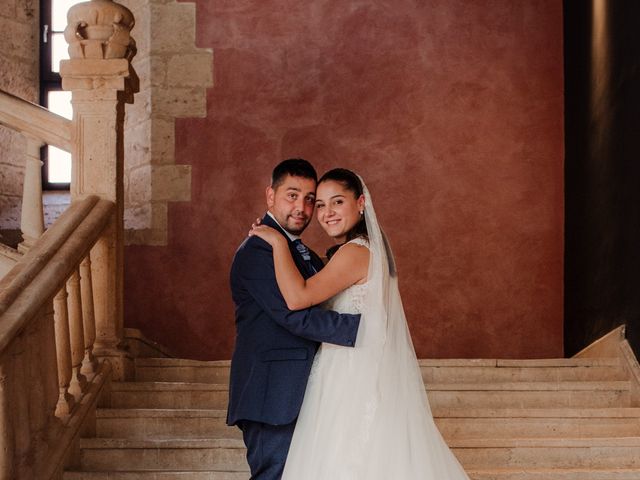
(39,127)
(61,305)
(47,337)
(35,121)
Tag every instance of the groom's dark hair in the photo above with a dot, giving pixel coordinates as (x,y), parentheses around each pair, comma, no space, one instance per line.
(296,167)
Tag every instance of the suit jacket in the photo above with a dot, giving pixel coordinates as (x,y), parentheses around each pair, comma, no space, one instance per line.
(275,346)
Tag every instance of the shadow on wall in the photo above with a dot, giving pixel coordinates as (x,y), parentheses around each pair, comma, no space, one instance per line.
(602,114)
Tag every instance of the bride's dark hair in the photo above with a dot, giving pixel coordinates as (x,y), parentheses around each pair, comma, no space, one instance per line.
(351,182)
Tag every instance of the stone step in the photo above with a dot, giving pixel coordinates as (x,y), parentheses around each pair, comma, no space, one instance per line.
(461,395)
(529,394)
(556,474)
(163,423)
(453,423)
(433,371)
(155,475)
(181,370)
(548,453)
(475,454)
(132,455)
(453,428)
(500,474)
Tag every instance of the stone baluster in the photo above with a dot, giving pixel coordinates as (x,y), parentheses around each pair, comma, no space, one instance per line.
(49,369)
(32,219)
(78,383)
(101,79)
(63,352)
(86,291)
(6,427)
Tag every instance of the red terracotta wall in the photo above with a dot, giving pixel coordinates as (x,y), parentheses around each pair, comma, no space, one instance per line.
(452,111)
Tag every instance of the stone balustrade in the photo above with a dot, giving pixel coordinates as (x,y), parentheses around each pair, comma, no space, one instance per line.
(61,325)
(47,335)
(39,127)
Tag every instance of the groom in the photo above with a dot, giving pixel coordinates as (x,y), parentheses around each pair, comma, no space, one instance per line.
(275,346)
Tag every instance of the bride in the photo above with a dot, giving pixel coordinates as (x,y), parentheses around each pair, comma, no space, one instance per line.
(365,414)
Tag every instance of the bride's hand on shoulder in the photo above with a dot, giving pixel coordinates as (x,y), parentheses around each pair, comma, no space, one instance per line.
(268,234)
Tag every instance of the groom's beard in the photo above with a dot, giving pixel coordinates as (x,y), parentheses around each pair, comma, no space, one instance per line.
(296,225)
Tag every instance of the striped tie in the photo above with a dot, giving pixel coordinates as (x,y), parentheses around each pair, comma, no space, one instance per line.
(305,254)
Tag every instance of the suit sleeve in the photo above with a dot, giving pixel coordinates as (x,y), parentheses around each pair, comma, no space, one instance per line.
(256,272)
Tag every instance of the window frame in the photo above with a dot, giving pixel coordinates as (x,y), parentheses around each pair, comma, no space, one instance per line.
(50,81)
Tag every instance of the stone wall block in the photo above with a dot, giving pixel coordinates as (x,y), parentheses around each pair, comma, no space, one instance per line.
(152,71)
(146,224)
(138,216)
(19,75)
(171,183)
(137,145)
(8,8)
(13,147)
(20,78)
(25,10)
(10,212)
(136,154)
(163,141)
(174,75)
(17,39)
(9,174)
(159,212)
(158,71)
(173,27)
(134,118)
(140,31)
(149,236)
(134,6)
(138,112)
(190,70)
(139,185)
(179,102)
(141,63)
(12,161)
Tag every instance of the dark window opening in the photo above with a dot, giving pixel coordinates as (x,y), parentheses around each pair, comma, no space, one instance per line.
(56,169)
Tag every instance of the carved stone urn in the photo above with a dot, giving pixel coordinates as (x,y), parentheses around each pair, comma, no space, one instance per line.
(99,29)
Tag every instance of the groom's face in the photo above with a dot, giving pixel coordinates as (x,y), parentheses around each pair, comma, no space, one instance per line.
(291,202)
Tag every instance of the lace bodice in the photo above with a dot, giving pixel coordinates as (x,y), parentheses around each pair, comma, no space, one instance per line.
(350,300)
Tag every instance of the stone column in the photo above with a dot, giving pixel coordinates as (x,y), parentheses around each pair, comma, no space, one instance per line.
(101,79)
(32,220)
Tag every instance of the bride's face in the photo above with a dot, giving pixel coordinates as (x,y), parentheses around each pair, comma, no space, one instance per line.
(338,209)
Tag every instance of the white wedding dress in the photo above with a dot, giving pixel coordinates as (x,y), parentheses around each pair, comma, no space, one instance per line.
(365,414)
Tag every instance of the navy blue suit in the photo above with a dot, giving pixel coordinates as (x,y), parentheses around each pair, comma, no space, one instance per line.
(274,352)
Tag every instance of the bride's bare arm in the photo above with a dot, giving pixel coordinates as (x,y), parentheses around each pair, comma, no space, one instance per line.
(348,266)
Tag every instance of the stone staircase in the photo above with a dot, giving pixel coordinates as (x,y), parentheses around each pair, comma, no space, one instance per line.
(560,419)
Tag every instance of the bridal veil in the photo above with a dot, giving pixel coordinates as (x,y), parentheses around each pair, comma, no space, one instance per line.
(365,415)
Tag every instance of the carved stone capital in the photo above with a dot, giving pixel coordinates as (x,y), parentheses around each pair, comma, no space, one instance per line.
(100,29)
